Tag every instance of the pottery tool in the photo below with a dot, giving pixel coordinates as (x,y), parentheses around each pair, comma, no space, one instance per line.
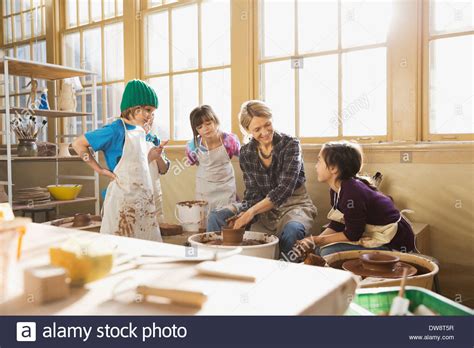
(400,304)
(178,296)
(219,270)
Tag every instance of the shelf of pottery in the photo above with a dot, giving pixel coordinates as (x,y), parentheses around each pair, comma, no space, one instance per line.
(22,127)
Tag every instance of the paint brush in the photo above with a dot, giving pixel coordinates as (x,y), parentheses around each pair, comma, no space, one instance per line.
(400,304)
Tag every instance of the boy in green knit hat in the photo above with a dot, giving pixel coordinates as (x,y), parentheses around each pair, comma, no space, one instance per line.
(134,158)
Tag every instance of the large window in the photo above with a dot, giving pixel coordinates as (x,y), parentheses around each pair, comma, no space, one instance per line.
(93,40)
(24,38)
(449,44)
(323,66)
(187,61)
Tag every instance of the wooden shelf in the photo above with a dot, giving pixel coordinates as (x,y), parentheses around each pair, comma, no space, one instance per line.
(46,113)
(53,204)
(41,158)
(27,68)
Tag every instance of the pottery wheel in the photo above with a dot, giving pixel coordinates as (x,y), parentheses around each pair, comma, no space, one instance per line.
(355,266)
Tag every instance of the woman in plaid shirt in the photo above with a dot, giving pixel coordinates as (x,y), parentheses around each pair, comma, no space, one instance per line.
(275,198)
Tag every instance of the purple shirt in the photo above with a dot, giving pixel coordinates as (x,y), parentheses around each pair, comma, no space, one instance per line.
(361,205)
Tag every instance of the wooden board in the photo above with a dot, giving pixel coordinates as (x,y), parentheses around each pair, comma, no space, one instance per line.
(46,113)
(20,67)
(54,203)
(281,288)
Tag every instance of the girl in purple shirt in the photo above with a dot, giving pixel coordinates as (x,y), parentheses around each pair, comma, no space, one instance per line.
(361,216)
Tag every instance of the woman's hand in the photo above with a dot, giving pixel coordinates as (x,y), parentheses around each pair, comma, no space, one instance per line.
(107,173)
(306,245)
(244,219)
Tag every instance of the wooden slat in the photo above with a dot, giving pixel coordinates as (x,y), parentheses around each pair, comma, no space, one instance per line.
(46,113)
(41,158)
(26,68)
(54,203)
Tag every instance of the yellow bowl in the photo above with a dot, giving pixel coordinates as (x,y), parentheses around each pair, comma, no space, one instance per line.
(64,192)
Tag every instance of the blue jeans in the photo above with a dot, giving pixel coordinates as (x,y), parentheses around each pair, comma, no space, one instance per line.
(292,231)
(344,247)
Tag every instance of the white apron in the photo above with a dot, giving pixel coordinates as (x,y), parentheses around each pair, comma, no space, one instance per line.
(129,206)
(374,236)
(155,180)
(215,179)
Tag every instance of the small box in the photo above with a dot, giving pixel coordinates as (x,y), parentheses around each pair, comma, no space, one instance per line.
(45,284)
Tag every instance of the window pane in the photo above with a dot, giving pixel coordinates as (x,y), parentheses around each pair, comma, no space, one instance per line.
(161,125)
(216,93)
(450,16)
(72,50)
(17,23)
(113,36)
(7,26)
(114,98)
(39,51)
(16,6)
(89,107)
(365,22)
(185,99)
(71,13)
(119,7)
(184,39)
(26,5)
(23,52)
(278,28)
(83,11)
(215,32)
(364,92)
(96,10)
(451,85)
(156,26)
(319,97)
(92,52)
(109,8)
(317,26)
(38,21)
(279,93)
(27,24)
(152,3)
(6,8)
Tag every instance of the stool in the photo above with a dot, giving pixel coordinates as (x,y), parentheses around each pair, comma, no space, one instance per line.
(34,211)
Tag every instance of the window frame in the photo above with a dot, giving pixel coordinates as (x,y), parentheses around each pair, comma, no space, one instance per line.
(102,84)
(427,37)
(168,6)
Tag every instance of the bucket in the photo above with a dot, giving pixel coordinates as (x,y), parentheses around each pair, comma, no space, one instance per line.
(192,215)
(266,251)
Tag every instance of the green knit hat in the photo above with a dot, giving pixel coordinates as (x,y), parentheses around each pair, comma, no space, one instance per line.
(136,93)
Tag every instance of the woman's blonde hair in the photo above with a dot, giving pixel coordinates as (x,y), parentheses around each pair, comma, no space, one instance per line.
(251,109)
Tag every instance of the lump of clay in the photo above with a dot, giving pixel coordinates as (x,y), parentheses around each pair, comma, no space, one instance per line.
(314,260)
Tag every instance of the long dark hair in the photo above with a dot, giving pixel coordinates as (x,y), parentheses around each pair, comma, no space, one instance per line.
(198,116)
(347,157)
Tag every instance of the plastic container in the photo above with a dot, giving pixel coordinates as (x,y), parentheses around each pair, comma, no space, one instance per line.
(64,192)
(378,301)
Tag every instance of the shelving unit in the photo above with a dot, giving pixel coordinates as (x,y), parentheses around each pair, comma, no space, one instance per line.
(54,73)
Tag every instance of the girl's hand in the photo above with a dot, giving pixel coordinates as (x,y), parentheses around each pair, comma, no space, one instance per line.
(244,219)
(306,245)
(108,173)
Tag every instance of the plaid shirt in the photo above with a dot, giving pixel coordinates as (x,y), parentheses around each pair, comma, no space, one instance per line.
(280,180)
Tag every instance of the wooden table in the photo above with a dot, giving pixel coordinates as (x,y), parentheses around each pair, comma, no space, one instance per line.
(282,288)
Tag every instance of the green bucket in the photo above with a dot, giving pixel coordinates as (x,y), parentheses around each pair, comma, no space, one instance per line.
(378,301)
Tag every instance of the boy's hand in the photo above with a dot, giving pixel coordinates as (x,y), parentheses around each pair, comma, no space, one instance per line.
(108,173)
(156,152)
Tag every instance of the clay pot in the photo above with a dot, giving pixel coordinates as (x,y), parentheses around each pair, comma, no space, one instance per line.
(379,262)
(314,260)
(81,220)
(27,148)
(233,236)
